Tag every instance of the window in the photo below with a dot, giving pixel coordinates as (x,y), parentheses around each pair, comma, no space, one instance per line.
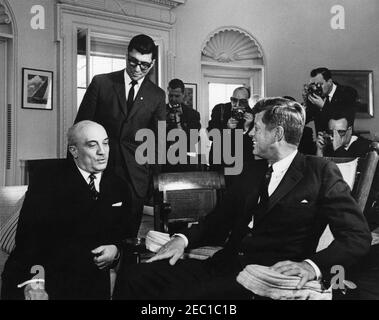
(106,55)
(220,93)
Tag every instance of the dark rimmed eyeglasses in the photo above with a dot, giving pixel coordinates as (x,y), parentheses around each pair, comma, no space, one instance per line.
(241,101)
(133,62)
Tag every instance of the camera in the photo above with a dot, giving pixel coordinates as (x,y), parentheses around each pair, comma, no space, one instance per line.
(238,114)
(314,89)
(328,138)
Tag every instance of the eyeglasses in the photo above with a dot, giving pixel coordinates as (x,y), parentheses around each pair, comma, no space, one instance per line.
(133,62)
(342,133)
(241,101)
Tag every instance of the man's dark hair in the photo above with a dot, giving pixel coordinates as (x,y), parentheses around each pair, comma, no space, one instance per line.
(285,113)
(176,83)
(143,44)
(289,98)
(325,72)
(340,113)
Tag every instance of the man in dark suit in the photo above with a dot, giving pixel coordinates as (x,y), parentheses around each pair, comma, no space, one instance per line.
(180,116)
(124,102)
(274,216)
(339,141)
(235,114)
(69,227)
(333,96)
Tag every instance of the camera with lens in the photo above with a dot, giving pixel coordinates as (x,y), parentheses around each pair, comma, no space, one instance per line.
(328,138)
(314,89)
(174,114)
(238,113)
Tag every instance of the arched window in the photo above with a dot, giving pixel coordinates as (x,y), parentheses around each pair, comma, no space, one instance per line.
(230,57)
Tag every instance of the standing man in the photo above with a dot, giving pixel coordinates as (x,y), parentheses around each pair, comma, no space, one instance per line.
(124,102)
(325,96)
(273,215)
(235,114)
(70,224)
(180,116)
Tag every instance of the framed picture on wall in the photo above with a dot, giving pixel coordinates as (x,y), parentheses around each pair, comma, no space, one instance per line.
(361,81)
(37,89)
(190,95)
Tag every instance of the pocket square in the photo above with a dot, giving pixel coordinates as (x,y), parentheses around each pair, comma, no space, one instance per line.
(118,204)
(304,201)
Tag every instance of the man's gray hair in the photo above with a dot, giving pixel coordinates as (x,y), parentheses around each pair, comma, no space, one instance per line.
(290,115)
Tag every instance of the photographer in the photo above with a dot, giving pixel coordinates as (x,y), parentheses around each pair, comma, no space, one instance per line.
(235,114)
(322,96)
(338,140)
(180,116)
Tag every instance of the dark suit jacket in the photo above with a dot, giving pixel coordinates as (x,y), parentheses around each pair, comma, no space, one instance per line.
(344,97)
(190,119)
(105,103)
(311,195)
(59,225)
(359,148)
(221,113)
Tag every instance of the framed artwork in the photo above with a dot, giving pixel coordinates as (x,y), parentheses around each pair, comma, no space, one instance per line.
(190,95)
(362,82)
(37,89)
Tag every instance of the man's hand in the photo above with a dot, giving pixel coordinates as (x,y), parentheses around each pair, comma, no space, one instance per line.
(35,292)
(290,268)
(320,144)
(316,100)
(104,255)
(232,123)
(172,250)
(338,141)
(249,118)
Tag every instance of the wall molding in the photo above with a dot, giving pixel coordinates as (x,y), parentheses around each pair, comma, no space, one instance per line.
(4,15)
(231,44)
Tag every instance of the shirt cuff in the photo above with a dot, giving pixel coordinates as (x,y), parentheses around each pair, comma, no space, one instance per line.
(315,268)
(183,237)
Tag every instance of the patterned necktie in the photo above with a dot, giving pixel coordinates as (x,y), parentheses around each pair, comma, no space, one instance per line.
(130,101)
(263,192)
(91,184)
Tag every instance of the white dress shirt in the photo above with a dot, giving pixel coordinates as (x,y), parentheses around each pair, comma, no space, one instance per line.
(279,170)
(331,93)
(86,175)
(128,85)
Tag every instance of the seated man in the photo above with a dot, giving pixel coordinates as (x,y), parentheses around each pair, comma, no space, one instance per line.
(268,219)
(338,140)
(69,225)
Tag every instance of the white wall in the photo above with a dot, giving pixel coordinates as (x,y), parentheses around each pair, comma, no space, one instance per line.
(295,35)
(36,129)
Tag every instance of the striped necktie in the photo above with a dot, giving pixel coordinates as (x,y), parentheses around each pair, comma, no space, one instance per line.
(92,187)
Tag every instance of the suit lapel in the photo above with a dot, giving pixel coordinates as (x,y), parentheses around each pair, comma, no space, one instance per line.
(119,86)
(290,180)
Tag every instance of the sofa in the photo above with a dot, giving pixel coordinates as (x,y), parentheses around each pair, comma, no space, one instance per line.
(11,199)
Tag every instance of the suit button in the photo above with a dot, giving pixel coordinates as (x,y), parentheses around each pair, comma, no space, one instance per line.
(241,254)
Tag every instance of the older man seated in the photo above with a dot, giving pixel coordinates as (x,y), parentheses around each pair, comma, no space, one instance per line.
(69,227)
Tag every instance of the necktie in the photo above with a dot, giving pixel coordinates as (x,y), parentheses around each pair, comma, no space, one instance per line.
(263,192)
(94,192)
(130,101)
